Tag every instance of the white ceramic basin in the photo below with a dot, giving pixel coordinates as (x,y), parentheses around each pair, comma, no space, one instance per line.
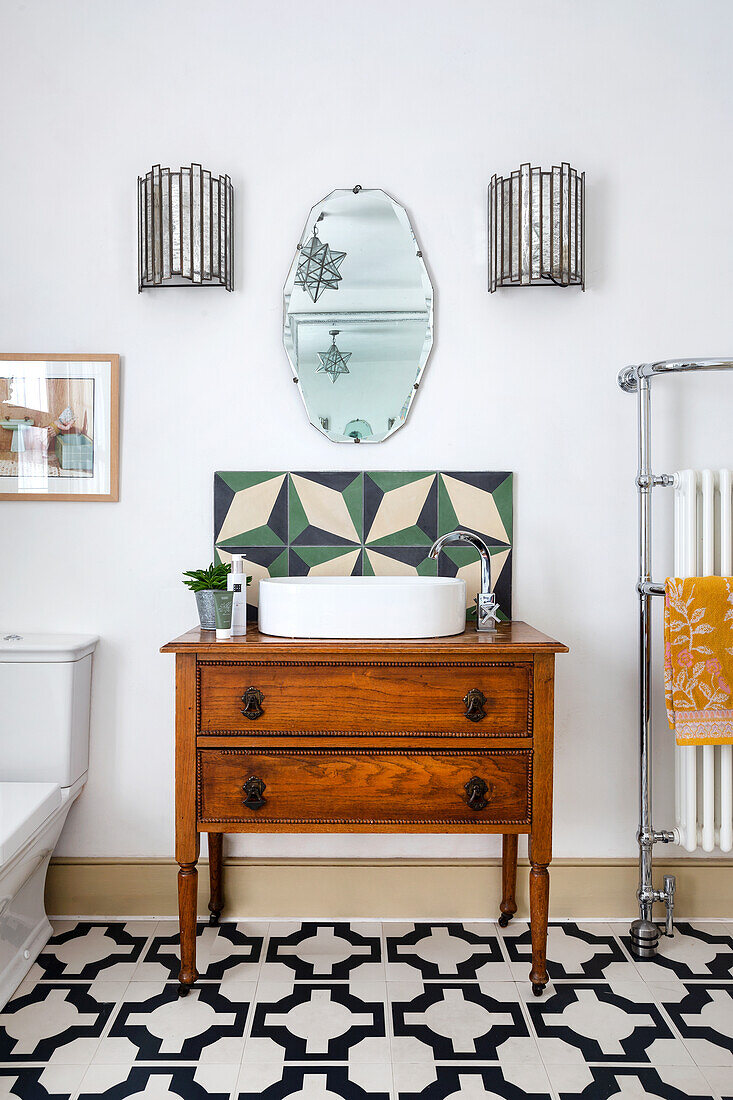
(362,607)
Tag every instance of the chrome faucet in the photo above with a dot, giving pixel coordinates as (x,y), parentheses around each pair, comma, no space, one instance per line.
(487,609)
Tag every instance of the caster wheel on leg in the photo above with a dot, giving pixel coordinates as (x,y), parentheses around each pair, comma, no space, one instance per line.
(504,920)
(213,919)
(538,990)
(184,990)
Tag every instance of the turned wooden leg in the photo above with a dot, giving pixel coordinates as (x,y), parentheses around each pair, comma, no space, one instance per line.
(216,886)
(540,841)
(187,834)
(508,905)
(539,900)
(187,904)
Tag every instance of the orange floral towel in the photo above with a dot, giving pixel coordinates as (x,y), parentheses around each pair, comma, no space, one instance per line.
(698,659)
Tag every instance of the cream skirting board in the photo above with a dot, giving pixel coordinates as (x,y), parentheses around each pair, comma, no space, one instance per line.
(404,889)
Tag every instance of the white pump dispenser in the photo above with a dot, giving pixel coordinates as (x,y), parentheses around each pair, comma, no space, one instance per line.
(237,583)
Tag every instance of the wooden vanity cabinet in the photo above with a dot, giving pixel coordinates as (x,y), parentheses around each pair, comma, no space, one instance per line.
(443,735)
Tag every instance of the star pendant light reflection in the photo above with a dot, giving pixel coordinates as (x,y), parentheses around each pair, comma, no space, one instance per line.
(333,361)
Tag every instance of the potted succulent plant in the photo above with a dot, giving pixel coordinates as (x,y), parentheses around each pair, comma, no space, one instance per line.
(204,583)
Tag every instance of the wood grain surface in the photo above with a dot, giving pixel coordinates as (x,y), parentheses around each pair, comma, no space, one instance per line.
(420,790)
(365,697)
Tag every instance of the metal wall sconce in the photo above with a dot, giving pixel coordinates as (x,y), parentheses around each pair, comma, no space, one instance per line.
(185,233)
(537,228)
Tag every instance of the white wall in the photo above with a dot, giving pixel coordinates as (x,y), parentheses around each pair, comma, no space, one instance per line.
(426,100)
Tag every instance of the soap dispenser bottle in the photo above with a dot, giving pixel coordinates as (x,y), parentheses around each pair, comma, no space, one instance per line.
(237,583)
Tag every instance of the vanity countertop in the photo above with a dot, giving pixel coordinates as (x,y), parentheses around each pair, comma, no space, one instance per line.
(515,637)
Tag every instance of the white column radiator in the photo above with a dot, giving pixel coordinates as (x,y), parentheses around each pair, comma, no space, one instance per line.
(703,547)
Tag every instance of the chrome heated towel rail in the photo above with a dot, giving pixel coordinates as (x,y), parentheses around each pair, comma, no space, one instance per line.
(637,379)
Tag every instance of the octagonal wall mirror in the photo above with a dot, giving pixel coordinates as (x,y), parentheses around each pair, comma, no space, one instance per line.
(358,316)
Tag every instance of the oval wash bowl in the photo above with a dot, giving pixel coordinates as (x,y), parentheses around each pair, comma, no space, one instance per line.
(362,607)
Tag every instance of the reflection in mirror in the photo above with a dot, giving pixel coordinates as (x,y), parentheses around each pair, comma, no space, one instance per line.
(358,324)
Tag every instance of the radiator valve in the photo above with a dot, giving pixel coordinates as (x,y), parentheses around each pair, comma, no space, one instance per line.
(669,889)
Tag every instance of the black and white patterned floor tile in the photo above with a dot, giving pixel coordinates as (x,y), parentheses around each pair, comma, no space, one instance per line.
(459,1022)
(630,1082)
(57,1022)
(508,1082)
(316,950)
(94,949)
(703,1015)
(573,951)
(99,1014)
(40,1082)
(720,1080)
(116,1082)
(603,1022)
(227,948)
(365,1081)
(325,1021)
(154,1024)
(463,952)
(696,950)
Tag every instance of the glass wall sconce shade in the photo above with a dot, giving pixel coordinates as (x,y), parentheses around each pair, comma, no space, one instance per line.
(185,230)
(537,228)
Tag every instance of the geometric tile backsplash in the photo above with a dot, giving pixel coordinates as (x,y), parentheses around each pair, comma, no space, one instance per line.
(353,523)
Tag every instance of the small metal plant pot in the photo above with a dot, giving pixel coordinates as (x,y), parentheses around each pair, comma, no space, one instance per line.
(205,605)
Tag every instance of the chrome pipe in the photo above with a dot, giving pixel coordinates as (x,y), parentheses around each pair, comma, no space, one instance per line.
(650,588)
(628,377)
(644,490)
(680,366)
(666,836)
(644,932)
(636,379)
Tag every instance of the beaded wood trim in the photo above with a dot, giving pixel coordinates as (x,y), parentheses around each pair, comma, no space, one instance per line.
(489,825)
(277,750)
(473,732)
(438,662)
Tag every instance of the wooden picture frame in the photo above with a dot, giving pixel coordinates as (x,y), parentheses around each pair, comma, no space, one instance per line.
(59,427)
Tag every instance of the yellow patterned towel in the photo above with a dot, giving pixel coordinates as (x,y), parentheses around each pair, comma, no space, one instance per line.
(698,659)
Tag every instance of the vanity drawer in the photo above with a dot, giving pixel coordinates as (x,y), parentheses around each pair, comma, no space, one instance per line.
(487,699)
(363,790)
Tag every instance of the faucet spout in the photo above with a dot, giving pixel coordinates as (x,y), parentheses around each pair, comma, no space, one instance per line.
(486,606)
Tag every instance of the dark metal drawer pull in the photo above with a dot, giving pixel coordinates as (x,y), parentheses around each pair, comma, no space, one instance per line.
(252,700)
(254,789)
(475,700)
(476,789)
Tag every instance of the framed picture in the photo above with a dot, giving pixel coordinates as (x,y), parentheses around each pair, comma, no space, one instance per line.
(59,427)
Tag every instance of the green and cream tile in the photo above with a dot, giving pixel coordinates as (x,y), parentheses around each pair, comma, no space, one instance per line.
(380,523)
(400,509)
(398,561)
(326,509)
(325,561)
(480,502)
(252,509)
